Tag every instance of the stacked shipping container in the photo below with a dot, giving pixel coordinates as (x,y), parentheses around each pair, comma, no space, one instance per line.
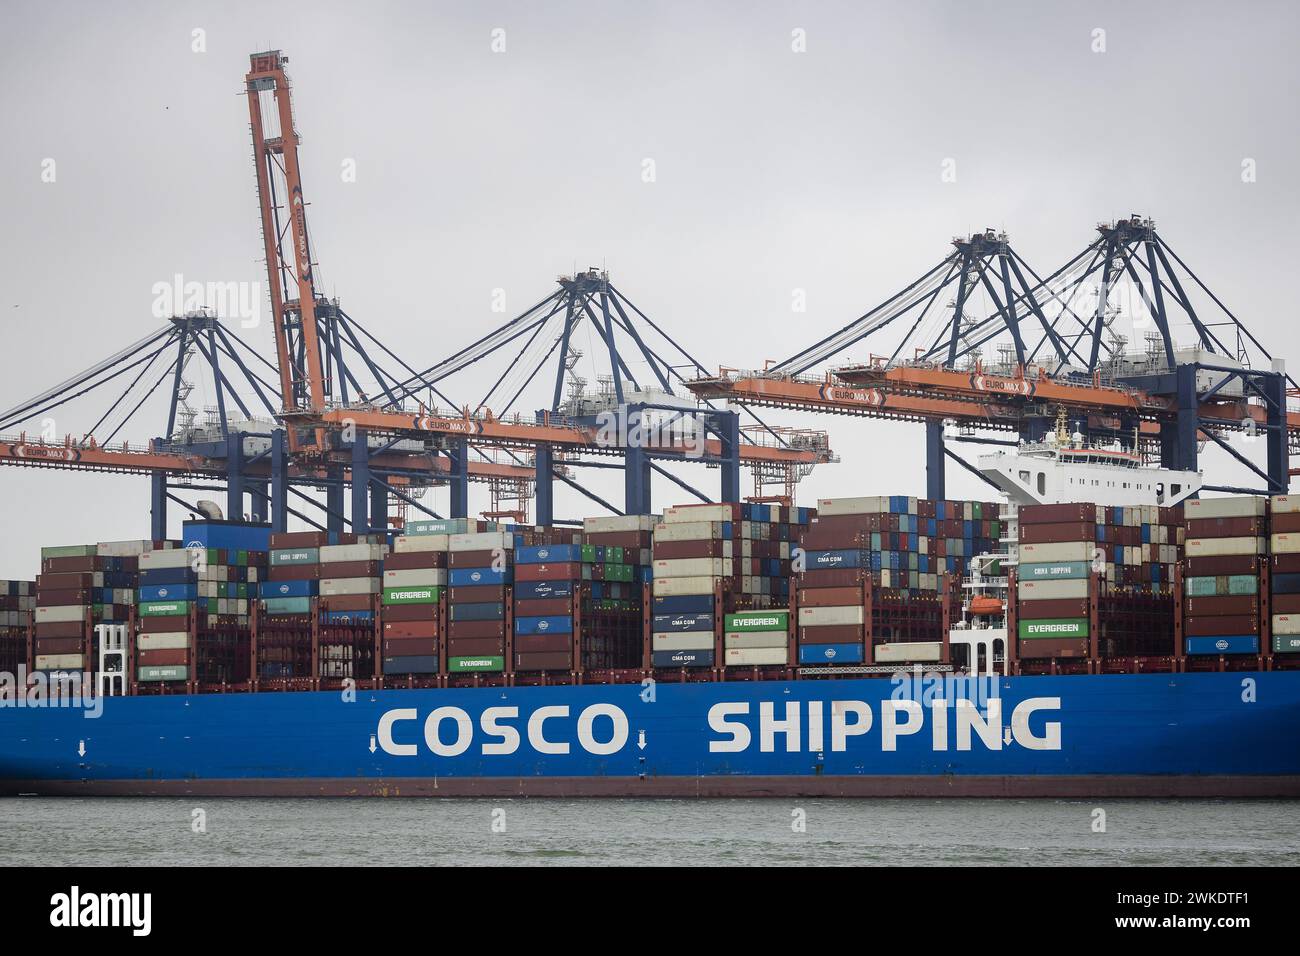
(1226,547)
(415,579)
(194,608)
(1284,574)
(17,604)
(740,553)
(80,586)
(1083,567)
(480,570)
(872,585)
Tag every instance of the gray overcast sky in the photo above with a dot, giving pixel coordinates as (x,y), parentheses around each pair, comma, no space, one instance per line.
(478,170)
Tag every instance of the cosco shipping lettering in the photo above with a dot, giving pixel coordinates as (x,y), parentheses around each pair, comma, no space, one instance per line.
(869,647)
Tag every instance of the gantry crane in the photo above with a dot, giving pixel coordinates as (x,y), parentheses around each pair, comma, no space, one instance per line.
(1172,399)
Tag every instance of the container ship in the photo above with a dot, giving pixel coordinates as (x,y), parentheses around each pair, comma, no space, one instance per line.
(873,646)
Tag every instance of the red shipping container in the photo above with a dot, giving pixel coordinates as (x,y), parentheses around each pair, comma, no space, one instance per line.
(832,634)
(415,560)
(352,569)
(829,597)
(1051,533)
(1282,564)
(621,539)
(543,662)
(293,572)
(162,658)
(61,629)
(1221,564)
(833,577)
(410,612)
(1221,624)
(476,629)
(563,571)
(1285,603)
(1222,605)
(544,607)
(544,642)
(1226,527)
(1286,523)
(64,582)
(480,559)
(1058,514)
(59,645)
(427,630)
(165,625)
(299,539)
(1055,607)
(410,647)
(672,550)
(476,594)
(72,565)
(1039,648)
(476,647)
(47,598)
(347,602)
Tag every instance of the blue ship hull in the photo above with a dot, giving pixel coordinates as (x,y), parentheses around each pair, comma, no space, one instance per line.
(1211,734)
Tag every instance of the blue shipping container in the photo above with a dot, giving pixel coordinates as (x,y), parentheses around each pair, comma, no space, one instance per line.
(476,612)
(682,658)
(664,623)
(684,604)
(548,553)
(833,559)
(547,624)
(537,590)
(169,592)
(277,589)
(470,577)
(1233,644)
(830,654)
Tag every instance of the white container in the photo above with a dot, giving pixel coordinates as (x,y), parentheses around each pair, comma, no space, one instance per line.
(333,553)
(1052,590)
(1241,507)
(167,641)
(58,662)
(682,641)
(903,652)
(175,558)
(685,514)
(61,614)
(689,531)
(875,504)
(1286,624)
(754,656)
(819,616)
(482,541)
(1286,504)
(1219,547)
(122,549)
(341,587)
(617,523)
(755,639)
(680,587)
(1285,542)
(1057,551)
(689,567)
(411,544)
(415,578)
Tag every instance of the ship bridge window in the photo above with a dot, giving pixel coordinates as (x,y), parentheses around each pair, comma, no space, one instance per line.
(1042,483)
(1024,476)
